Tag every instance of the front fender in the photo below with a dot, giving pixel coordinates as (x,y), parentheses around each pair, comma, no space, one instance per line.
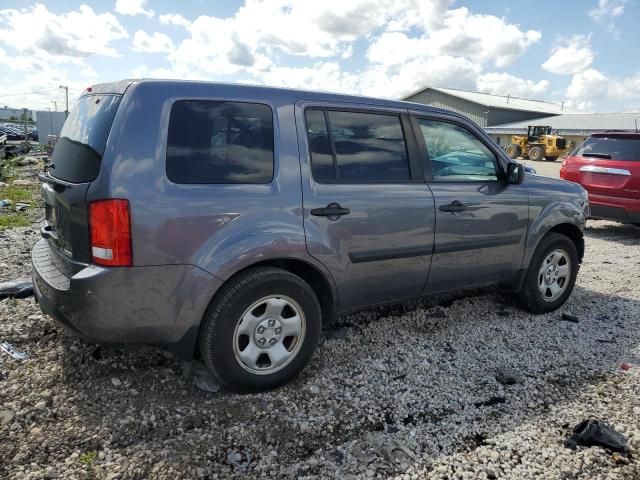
(546,217)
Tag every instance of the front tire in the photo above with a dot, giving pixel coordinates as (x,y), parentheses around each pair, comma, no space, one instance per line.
(536,153)
(513,151)
(551,275)
(261,330)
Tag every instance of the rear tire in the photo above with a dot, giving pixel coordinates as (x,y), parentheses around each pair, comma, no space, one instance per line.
(536,153)
(551,275)
(550,159)
(261,330)
(513,151)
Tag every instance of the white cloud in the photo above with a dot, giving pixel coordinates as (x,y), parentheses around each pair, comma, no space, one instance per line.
(505,84)
(37,31)
(133,7)
(607,10)
(154,43)
(174,19)
(590,83)
(484,38)
(573,55)
(597,88)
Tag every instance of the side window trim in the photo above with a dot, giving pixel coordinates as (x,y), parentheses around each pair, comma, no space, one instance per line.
(416,167)
(422,146)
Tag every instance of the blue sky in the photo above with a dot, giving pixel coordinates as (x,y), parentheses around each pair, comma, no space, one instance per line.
(581,53)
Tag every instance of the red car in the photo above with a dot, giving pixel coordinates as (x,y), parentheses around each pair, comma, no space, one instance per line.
(607,165)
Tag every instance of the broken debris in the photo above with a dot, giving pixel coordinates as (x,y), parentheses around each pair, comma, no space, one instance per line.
(20,288)
(570,318)
(13,352)
(595,433)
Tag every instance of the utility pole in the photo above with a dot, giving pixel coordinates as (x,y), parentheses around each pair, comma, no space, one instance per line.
(55,105)
(66,100)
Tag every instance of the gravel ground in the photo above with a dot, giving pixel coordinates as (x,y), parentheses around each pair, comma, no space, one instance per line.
(461,387)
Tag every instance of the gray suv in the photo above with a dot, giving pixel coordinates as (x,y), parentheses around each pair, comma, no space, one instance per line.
(232,221)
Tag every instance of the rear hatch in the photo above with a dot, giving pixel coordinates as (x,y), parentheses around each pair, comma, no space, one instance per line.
(607,164)
(76,162)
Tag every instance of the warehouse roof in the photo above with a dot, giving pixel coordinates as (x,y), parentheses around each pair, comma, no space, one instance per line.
(507,102)
(575,123)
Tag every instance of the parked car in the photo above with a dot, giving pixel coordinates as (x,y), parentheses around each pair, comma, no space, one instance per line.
(607,165)
(231,221)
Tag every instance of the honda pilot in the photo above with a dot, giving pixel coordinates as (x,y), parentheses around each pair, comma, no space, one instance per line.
(231,222)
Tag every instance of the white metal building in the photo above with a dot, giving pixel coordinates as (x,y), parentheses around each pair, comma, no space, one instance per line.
(486,109)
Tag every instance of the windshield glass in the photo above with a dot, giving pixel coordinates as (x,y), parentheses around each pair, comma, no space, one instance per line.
(616,148)
(79,150)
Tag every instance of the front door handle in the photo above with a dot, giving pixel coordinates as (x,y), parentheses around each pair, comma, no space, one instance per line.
(454,207)
(331,210)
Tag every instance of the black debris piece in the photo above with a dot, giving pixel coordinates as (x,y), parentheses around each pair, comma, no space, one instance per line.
(570,318)
(596,433)
(491,401)
(20,288)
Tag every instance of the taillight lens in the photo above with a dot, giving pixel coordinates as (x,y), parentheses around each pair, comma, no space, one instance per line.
(110,228)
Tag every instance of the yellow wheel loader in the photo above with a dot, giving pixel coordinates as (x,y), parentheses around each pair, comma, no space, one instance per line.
(538,144)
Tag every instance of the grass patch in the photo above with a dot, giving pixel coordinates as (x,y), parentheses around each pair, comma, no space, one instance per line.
(13,219)
(9,218)
(88,458)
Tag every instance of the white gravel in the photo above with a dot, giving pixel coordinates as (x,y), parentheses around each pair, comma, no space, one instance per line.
(462,387)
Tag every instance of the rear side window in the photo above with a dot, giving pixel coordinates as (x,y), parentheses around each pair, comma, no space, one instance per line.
(78,152)
(358,147)
(220,142)
(614,148)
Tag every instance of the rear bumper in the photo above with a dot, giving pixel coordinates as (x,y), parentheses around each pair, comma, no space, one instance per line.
(158,305)
(625,210)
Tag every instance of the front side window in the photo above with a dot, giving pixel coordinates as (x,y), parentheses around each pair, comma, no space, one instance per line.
(357,148)
(456,154)
(220,142)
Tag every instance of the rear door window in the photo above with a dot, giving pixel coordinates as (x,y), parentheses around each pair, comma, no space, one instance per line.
(220,142)
(357,148)
(614,148)
(78,152)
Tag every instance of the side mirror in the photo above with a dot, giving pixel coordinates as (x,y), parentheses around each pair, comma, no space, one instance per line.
(515,173)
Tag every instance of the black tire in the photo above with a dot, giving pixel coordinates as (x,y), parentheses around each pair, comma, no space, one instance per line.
(529,295)
(513,151)
(218,342)
(536,153)
(550,159)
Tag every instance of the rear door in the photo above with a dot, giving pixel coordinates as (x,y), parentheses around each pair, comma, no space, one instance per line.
(76,162)
(368,214)
(608,165)
(481,220)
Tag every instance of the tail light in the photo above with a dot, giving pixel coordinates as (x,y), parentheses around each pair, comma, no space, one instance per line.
(110,229)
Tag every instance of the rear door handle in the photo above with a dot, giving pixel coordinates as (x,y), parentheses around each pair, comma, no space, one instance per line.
(453,207)
(331,210)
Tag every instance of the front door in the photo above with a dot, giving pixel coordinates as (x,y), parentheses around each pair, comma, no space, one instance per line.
(368,214)
(481,220)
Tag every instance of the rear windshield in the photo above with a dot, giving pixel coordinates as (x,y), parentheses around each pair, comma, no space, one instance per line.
(78,151)
(615,148)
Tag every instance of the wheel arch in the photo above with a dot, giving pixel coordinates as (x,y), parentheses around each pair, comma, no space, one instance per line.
(318,280)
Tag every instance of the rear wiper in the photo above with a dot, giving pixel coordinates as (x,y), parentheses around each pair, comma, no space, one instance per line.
(597,155)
